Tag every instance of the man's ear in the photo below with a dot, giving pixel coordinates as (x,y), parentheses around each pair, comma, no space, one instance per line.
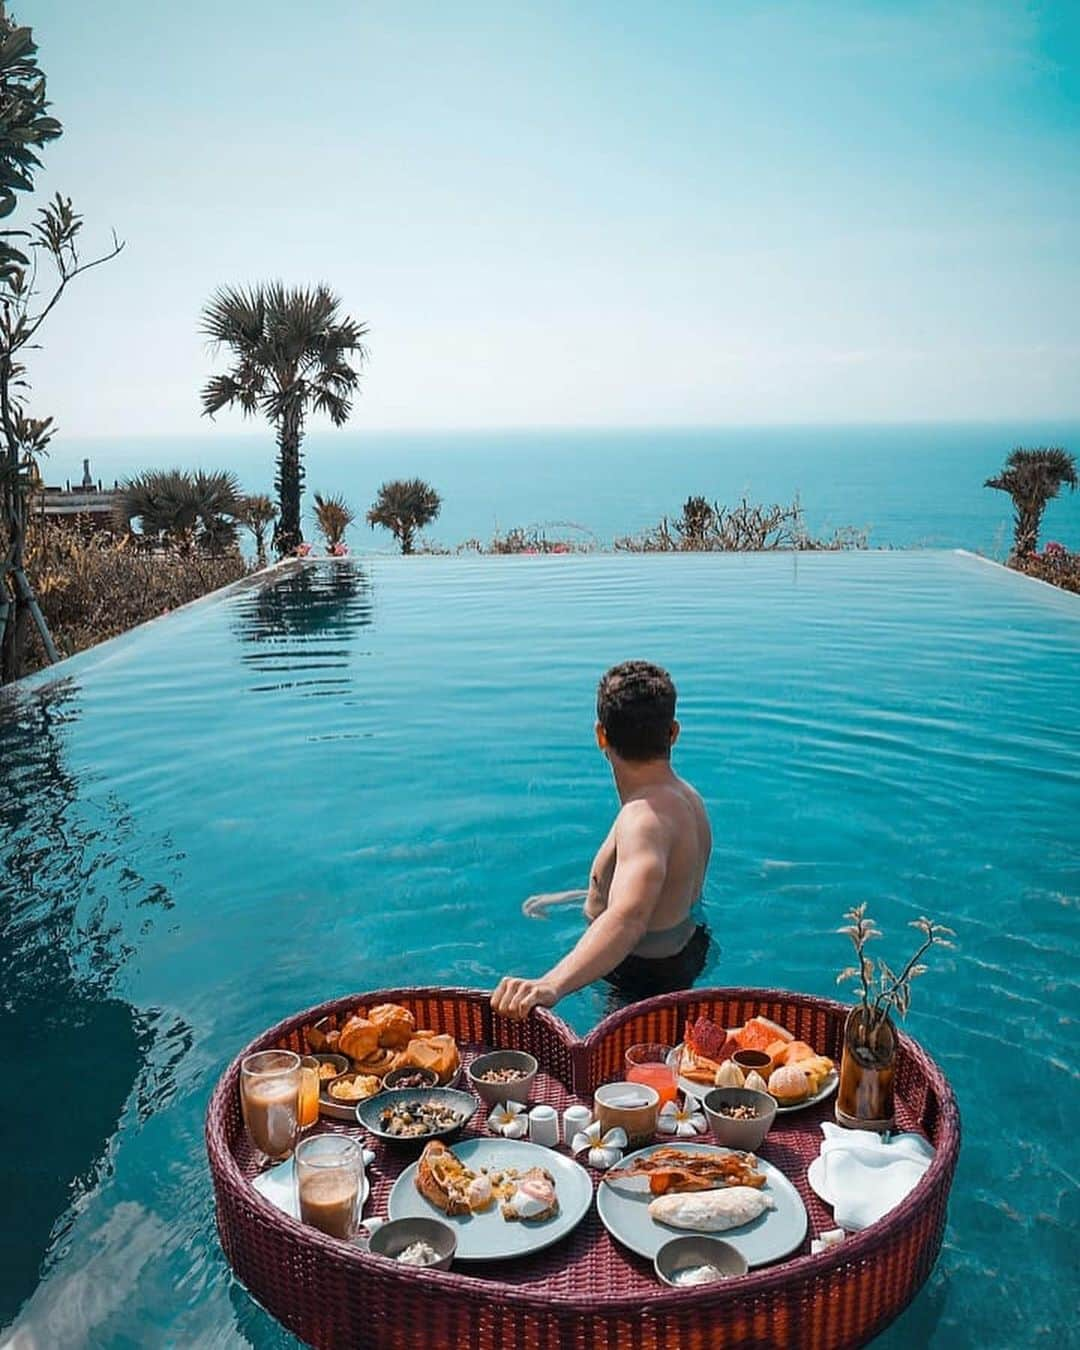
(601,737)
(675,729)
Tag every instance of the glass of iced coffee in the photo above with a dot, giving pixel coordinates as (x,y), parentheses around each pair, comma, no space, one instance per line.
(270,1101)
(329,1181)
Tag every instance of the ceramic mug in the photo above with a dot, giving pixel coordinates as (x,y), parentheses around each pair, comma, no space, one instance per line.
(633,1106)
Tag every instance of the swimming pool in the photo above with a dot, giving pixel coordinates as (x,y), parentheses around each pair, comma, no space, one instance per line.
(351,778)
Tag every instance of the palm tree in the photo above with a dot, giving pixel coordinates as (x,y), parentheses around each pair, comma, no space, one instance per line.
(403,507)
(291,351)
(335,516)
(256,512)
(1032,478)
(183,509)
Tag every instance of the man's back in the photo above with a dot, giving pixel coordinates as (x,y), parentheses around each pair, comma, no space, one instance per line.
(680,819)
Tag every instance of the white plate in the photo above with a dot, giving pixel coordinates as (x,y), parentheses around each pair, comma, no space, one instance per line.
(772,1235)
(815,1176)
(278,1185)
(700,1090)
(488,1236)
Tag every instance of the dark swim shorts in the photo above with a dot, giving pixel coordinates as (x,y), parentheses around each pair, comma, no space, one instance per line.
(639,977)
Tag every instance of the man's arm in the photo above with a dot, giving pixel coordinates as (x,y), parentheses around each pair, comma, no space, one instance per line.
(640,870)
(603,869)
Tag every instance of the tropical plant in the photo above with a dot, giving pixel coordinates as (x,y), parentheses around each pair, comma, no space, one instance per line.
(1032,478)
(291,351)
(255,514)
(334,516)
(403,507)
(25,304)
(190,511)
(881,990)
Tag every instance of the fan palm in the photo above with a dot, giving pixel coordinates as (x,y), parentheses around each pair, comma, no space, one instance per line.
(403,507)
(1032,478)
(174,507)
(256,512)
(335,516)
(291,350)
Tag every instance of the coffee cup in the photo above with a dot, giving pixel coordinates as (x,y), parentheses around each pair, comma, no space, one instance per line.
(630,1106)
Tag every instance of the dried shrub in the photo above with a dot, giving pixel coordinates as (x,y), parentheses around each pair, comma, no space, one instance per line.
(92,586)
(536,539)
(750,527)
(1055,564)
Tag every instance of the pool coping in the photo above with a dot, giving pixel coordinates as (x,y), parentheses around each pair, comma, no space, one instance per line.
(1014,572)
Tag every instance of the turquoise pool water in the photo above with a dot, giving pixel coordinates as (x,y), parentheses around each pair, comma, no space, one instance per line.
(353,777)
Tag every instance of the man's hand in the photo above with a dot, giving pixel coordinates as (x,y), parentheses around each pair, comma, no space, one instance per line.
(514,997)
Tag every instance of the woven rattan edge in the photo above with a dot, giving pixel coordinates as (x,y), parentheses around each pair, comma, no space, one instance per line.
(760,1283)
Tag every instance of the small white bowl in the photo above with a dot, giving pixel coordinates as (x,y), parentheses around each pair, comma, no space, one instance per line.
(698,1250)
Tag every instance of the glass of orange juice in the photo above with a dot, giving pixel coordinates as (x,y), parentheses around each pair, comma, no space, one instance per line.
(309,1091)
(647,1063)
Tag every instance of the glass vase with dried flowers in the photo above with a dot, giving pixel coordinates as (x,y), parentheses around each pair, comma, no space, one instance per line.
(866,1100)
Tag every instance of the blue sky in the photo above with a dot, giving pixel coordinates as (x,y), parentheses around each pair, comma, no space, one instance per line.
(581,213)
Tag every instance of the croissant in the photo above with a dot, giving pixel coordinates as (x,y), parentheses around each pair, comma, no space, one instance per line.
(395,1025)
(358,1038)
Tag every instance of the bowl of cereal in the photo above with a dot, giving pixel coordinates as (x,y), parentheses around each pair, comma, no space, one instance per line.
(502,1076)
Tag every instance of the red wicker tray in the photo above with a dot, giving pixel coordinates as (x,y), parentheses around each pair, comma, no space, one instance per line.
(588,1293)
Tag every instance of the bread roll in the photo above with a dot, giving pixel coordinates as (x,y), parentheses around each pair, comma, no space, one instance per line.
(789,1084)
(359,1038)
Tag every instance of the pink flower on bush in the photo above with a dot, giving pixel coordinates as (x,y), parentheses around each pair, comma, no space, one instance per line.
(560,548)
(340,551)
(1054,550)
(302,550)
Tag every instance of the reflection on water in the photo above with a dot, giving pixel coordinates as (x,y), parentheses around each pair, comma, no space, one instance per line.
(299,628)
(64,884)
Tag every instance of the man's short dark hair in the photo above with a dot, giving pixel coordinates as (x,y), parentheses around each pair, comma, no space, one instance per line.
(635,704)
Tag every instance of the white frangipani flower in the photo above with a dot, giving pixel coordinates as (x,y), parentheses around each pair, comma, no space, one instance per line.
(682,1120)
(510,1120)
(605,1151)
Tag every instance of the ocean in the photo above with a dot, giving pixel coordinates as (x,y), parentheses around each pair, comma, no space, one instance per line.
(909,486)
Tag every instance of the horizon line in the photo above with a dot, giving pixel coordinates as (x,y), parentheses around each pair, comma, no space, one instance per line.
(620,427)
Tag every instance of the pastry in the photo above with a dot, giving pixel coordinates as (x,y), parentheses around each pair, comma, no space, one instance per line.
(395,1024)
(533,1199)
(359,1038)
(380,1063)
(444,1180)
(439,1053)
(711,1211)
(789,1084)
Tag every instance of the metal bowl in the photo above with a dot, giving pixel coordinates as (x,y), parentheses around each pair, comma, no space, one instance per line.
(743,1134)
(493,1094)
(390,1239)
(697,1250)
(368,1112)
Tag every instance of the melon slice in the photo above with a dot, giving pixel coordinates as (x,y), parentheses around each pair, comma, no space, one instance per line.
(759,1033)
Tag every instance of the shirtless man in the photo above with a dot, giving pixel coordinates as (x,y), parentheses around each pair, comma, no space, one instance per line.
(649,870)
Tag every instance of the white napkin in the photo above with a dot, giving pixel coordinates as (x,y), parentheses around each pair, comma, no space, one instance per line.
(865,1177)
